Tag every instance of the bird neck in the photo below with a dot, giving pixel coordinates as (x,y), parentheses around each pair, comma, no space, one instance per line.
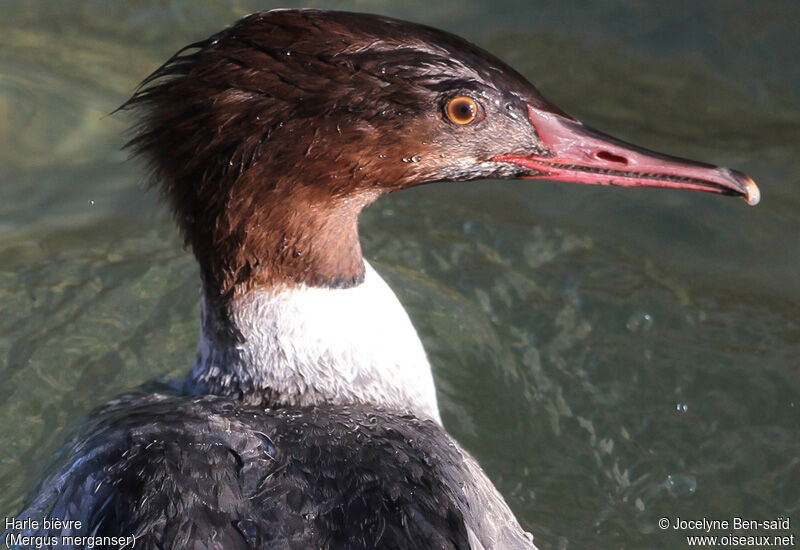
(299,239)
(298,345)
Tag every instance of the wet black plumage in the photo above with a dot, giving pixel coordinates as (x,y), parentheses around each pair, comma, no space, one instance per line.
(179,471)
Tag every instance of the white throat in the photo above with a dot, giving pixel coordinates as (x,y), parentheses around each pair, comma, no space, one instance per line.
(305,345)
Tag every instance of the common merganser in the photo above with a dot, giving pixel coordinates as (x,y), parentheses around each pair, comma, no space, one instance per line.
(309,419)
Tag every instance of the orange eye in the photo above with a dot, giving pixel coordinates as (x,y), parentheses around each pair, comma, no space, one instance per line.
(462,109)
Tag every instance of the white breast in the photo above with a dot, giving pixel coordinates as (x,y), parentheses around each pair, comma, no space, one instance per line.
(308,345)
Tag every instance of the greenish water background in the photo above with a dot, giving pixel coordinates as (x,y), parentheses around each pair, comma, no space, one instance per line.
(610,356)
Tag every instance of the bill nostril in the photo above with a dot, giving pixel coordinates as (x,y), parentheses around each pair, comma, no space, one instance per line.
(610,157)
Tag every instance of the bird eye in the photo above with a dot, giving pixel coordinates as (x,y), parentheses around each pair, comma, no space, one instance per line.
(462,109)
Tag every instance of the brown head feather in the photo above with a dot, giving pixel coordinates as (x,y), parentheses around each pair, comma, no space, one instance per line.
(269,137)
